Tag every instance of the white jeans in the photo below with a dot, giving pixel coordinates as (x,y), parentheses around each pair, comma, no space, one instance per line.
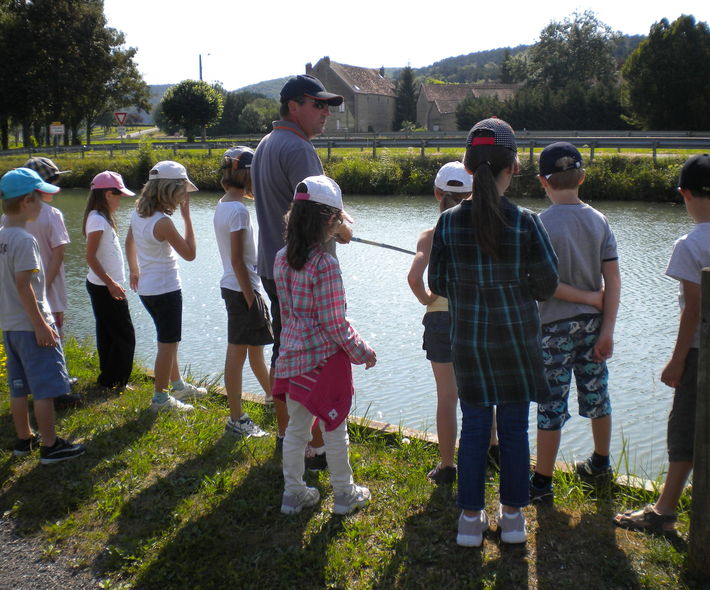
(298,433)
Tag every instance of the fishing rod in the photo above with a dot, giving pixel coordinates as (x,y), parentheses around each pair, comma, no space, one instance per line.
(381,245)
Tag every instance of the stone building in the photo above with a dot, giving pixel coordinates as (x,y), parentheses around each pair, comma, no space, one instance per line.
(436,105)
(369,104)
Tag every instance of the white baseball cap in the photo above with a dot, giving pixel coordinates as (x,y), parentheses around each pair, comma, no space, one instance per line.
(169,170)
(452,177)
(321,189)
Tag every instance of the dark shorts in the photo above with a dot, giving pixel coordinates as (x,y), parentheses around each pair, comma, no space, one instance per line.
(681,421)
(437,339)
(247,326)
(567,348)
(40,371)
(166,311)
(270,288)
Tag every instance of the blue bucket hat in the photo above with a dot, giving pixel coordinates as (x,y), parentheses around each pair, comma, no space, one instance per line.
(23,181)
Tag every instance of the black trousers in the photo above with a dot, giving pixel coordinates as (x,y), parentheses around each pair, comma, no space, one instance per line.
(115,336)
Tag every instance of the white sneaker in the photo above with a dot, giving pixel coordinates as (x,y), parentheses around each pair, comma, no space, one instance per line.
(171,404)
(346,503)
(244,427)
(470,533)
(294,503)
(512,527)
(189,390)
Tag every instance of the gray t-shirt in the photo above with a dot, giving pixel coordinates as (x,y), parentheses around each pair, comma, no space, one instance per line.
(19,252)
(283,159)
(691,253)
(582,240)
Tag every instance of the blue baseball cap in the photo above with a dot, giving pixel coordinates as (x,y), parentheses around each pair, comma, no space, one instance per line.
(22,181)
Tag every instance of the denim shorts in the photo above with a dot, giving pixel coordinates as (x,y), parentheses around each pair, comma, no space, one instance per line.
(436,339)
(39,371)
(681,421)
(166,311)
(567,347)
(246,326)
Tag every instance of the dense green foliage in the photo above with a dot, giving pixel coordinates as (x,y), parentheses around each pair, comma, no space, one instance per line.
(667,79)
(406,105)
(60,62)
(190,105)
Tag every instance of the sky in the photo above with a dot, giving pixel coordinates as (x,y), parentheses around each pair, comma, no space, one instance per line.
(249,42)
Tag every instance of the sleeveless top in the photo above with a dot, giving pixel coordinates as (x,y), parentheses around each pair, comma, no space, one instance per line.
(157,260)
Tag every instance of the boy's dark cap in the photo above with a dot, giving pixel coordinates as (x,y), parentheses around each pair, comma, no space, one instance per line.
(237,158)
(695,174)
(558,157)
(503,134)
(306,85)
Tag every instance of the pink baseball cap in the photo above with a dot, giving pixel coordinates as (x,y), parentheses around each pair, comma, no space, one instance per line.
(108,179)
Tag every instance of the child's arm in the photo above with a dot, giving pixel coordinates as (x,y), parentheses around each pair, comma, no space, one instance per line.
(415,278)
(689,319)
(604,347)
(236,241)
(44,333)
(165,230)
(132,257)
(567,292)
(92,245)
(55,262)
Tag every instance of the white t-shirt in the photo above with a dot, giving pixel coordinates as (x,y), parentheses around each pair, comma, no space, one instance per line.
(691,253)
(50,232)
(157,261)
(109,252)
(19,252)
(231,216)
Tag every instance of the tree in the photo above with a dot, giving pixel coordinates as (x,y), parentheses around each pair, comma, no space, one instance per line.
(666,80)
(257,116)
(406,101)
(190,105)
(234,103)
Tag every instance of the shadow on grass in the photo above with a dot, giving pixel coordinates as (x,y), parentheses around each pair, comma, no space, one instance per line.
(65,486)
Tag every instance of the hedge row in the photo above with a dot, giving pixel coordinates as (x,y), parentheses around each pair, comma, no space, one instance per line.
(608,178)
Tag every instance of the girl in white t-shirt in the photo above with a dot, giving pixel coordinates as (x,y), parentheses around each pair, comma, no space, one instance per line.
(248,324)
(152,247)
(115,337)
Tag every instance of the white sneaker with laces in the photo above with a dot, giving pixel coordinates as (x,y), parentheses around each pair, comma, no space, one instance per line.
(470,533)
(244,427)
(189,390)
(512,526)
(171,404)
(294,503)
(347,502)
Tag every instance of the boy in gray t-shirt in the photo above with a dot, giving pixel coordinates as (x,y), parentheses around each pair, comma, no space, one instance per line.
(578,321)
(35,361)
(691,253)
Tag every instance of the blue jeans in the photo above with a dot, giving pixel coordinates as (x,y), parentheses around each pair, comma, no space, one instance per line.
(512,422)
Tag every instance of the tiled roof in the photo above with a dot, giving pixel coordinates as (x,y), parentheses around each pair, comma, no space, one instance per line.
(364,80)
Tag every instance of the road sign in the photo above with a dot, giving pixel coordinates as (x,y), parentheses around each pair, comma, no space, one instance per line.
(56,129)
(121,131)
(120,117)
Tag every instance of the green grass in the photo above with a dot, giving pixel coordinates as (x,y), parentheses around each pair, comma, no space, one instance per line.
(170,501)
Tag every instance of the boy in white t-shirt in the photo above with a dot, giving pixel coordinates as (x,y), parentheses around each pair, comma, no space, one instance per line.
(691,253)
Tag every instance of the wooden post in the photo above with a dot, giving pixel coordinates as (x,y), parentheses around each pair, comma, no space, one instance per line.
(655,149)
(591,152)
(532,151)
(330,147)
(699,539)
(374,147)
(423,146)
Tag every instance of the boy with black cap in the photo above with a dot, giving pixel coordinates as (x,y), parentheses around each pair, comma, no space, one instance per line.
(576,337)
(35,361)
(691,253)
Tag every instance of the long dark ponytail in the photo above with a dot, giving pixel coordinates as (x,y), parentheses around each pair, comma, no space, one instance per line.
(490,149)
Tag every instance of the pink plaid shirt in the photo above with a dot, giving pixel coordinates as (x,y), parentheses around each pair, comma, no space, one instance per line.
(313,315)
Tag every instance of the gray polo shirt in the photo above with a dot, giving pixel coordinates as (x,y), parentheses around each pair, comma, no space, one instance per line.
(283,159)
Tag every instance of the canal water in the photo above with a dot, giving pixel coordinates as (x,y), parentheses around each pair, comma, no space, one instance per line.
(400,389)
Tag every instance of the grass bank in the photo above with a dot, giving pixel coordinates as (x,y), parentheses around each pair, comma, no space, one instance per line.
(170,501)
(616,177)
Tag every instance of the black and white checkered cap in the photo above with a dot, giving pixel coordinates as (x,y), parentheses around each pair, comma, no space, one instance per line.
(44,167)
(503,134)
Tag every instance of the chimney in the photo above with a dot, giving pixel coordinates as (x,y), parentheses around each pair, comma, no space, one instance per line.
(382,71)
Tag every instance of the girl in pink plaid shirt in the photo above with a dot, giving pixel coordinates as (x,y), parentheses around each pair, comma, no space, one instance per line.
(318,345)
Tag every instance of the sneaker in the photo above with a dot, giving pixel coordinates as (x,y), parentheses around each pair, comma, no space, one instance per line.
(541,494)
(345,503)
(470,532)
(189,390)
(171,404)
(294,503)
(442,476)
(316,462)
(61,450)
(24,446)
(244,427)
(586,470)
(512,528)
(68,400)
